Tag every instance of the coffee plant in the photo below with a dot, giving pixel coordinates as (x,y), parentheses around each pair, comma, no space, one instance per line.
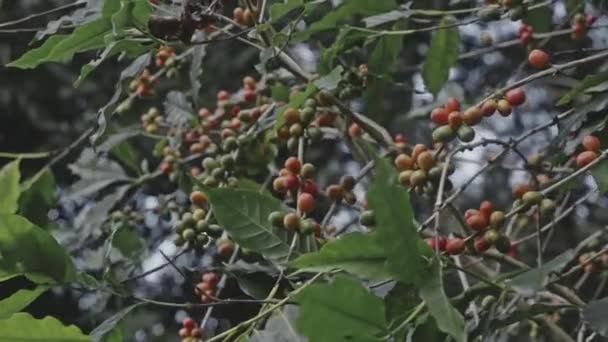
(332,192)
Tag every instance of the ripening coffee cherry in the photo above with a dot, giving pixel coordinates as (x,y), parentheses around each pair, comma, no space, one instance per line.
(418,178)
(334,192)
(293,164)
(472,116)
(585,157)
(291,116)
(531,198)
(198,198)
(437,243)
(278,185)
(452,105)
(486,208)
(425,161)
(454,119)
(404,177)
(491,236)
(306,203)
(470,212)
(539,59)
(225,248)
(520,189)
(489,107)
(504,107)
(291,221)
(591,143)
(308,171)
(418,148)
(516,96)
(211,278)
(404,162)
(440,116)
(348,183)
(443,134)
(354,130)
(455,246)
(477,222)
(497,219)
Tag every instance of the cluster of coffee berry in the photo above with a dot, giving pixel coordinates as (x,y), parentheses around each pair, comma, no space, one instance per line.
(207,288)
(487,222)
(452,123)
(343,192)
(152,120)
(143,86)
(303,122)
(353,82)
(190,331)
(193,229)
(451,246)
(580,25)
(420,170)
(591,144)
(591,264)
(296,182)
(127,216)
(165,57)
(170,162)
(243,16)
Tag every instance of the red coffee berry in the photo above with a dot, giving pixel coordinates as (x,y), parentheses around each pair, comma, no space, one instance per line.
(470,212)
(437,243)
(477,222)
(440,116)
(452,105)
(489,107)
(585,157)
(293,164)
(306,203)
(310,187)
(454,119)
(486,208)
(198,198)
(211,278)
(516,96)
(455,246)
(481,245)
(334,192)
(291,182)
(189,323)
(539,59)
(591,143)
(354,130)
(249,95)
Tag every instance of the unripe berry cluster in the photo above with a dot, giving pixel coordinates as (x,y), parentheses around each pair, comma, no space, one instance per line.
(165,57)
(144,85)
(303,122)
(420,170)
(152,120)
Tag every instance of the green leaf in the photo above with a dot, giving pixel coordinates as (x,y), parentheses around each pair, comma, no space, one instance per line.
(399,300)
(38,196)
(24,327)
(532,281)
(141,13)
(244,214)
(345,12)
(573,6)
(9,183)
(19,301)
(448,319)
(280,92)
(341,311)
(442,55)
(347,39)
(385,53)
(280,327)
(595,313)
(127,241)
(331,80)
(109,324)
(355,253)
(89,36)
(396,232)
(600,174)
(296,102)
(278,10)
(33,57)
(539,18)
(26,249)
(588,82)
(110,7)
